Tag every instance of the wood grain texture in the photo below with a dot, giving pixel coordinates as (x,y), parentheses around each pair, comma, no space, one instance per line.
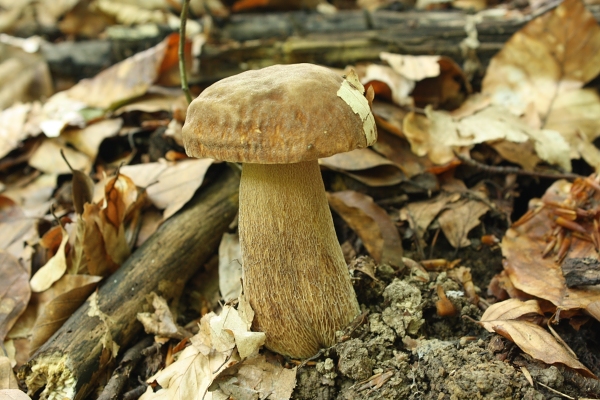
(70,362)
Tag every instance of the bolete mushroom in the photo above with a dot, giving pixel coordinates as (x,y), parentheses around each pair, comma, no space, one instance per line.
(278,121)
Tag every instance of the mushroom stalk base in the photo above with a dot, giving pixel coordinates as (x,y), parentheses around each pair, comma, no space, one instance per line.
(294,272)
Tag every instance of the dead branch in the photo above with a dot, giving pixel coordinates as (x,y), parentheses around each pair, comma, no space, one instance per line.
(69,364)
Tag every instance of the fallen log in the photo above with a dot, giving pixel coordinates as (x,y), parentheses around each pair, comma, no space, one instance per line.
(68,365)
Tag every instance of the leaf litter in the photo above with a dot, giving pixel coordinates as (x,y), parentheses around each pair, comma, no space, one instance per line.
(224,352)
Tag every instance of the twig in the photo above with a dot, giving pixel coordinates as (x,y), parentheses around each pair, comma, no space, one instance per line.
(515,170)
(181,52)
(116,384)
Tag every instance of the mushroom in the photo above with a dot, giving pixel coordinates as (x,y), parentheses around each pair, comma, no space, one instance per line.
(278,121)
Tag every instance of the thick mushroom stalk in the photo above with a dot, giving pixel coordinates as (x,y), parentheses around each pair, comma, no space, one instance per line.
(294,273)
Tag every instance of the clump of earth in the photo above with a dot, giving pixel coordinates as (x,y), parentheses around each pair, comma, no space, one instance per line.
(401,349)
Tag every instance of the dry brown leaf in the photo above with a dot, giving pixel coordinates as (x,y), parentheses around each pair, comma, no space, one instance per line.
(34,197)
(87,140)
(47,158)
(161,322)
(543,68)
(169,185)
(17,124)
(64,297)
(523,247)
(13,394)
(230,266)
(537,342)
(16,231)
(420,214)
(459,218)
(212,351)
(123,81)
(53,270)
(511,309)
(371,223)
(437,133)
(365,166)
(258,377)
(24,76)
(14,291)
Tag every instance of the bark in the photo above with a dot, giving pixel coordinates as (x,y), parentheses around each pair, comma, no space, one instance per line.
(71,361)
(581,271)
(258,40)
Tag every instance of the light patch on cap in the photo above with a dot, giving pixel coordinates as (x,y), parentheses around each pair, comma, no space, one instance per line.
(352,92)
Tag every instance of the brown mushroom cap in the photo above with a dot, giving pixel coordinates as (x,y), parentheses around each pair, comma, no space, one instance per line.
(279,114)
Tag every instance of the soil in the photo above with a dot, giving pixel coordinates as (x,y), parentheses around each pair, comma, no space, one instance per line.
(401,349)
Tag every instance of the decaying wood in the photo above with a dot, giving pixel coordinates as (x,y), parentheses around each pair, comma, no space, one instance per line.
(247,41)
(76,355)
(581,271)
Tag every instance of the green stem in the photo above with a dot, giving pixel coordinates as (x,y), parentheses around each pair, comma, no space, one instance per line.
(182,72)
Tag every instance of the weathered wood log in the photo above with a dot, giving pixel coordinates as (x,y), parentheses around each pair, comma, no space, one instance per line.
(581,271)
(247,41)
(69,364)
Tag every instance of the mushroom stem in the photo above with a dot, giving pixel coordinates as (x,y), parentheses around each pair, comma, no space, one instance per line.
(294,272)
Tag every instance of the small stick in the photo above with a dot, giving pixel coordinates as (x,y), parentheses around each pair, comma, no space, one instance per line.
(181,52)
(515,170)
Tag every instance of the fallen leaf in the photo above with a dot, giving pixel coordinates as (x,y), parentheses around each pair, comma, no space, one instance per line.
(544,67)
(123,81)
(47,158)
(524,245)
(161,322)
(63,298)
(511,309)
(459,218)
(230,266)
(371,223)
(437,133)
(169,185)
(24,76)
(13,394)
(14,291)
(420,214)
(53,270)
(212,351)
(87,140)
(16,125)
(532,339)
(365,166)
(258,377)
(17,230)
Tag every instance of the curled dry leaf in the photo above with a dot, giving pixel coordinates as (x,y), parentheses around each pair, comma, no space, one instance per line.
(212,351)
(61,301)
(14,291)
(371,223)
(459,218)
(13,394)
(161,322)
(541,70)
(123,81)
(230,266)
(16,125)
(365,166)
(258,376)
(47,158)
(24,76)
(169,185)
(437,133)
(100,244)
(511,309)
(530,337)
(53,270)
(87,140)
(524,246)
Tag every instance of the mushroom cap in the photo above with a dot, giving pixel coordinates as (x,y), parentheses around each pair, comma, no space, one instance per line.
(279,114)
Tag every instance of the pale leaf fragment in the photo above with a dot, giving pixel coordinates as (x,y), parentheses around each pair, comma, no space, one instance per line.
(14,291)
(54,269)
